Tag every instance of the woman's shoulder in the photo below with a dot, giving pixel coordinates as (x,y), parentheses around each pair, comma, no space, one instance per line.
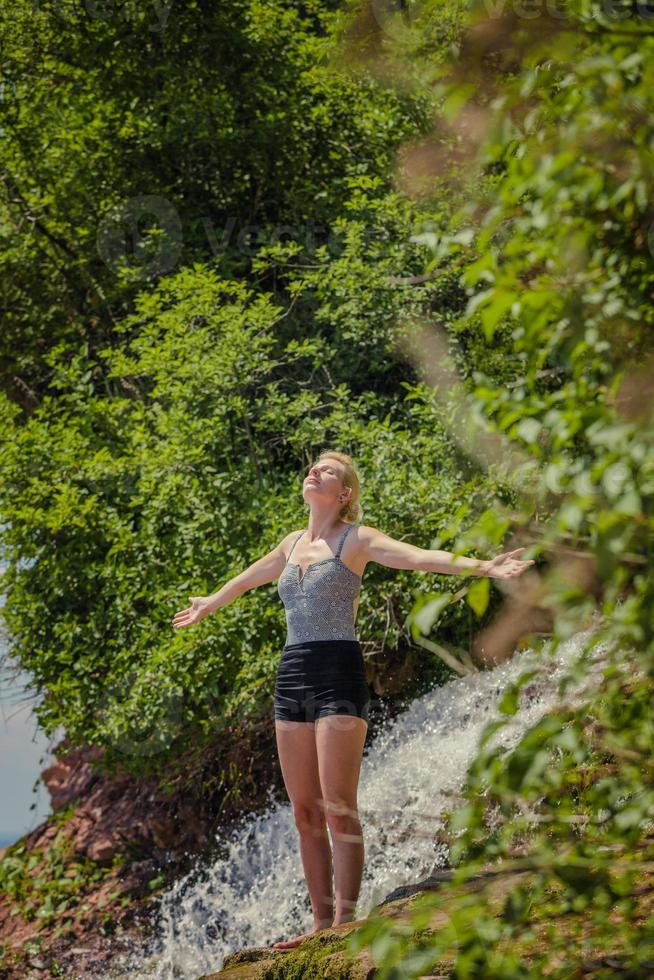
(362,534)
(292,536)
(366,531)
(367,536)
(287,543)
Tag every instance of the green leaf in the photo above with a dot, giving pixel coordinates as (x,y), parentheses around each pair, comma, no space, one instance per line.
(510,701)
(478,595)
(427,611)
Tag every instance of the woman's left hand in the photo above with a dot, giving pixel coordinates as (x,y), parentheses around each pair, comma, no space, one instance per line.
(507,565)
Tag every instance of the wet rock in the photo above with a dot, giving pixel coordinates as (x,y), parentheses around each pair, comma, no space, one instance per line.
(434,881)
(322,957)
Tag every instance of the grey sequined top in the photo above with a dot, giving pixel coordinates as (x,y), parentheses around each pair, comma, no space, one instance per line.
(319,604)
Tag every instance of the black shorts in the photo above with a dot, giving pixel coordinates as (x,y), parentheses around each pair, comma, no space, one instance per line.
(321,677)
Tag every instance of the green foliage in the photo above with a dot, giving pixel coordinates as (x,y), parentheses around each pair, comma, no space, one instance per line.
(157,416)
(155,424)
(48,885)
(558,257)
(137,140)
(186,469)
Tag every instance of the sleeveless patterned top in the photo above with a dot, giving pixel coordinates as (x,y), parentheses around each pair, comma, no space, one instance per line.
(319,604)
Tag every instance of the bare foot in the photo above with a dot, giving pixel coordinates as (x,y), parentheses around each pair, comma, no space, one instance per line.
(290,943)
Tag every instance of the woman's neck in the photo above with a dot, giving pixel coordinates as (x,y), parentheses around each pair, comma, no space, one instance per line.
(321,523)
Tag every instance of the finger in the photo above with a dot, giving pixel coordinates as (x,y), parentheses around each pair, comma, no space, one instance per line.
(518,551)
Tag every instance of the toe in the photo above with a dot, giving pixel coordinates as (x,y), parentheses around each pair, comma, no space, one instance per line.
(290,943)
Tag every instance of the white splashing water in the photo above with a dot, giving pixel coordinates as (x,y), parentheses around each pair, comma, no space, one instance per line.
(255,894)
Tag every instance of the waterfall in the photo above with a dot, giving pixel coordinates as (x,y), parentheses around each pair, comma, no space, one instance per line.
(254,892)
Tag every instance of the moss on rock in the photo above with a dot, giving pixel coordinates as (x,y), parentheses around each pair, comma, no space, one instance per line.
(323,957)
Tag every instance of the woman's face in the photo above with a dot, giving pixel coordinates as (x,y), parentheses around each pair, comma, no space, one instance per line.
(324,481)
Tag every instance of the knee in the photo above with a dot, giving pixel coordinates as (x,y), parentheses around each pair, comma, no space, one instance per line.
(309,817)
(343,820)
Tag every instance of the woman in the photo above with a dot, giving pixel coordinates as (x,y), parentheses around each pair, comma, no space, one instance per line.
(321,694)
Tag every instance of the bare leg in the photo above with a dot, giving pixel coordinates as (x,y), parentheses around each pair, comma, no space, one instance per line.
(296,744)
(340,741)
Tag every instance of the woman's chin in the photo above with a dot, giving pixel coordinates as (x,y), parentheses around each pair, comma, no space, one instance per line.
(311,494)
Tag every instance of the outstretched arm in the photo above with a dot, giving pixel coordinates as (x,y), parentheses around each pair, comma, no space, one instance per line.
(264,570)
(385,550)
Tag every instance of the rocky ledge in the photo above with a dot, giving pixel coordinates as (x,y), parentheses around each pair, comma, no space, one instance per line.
(324,956)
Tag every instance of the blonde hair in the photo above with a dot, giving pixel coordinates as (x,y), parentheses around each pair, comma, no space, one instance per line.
(352,509)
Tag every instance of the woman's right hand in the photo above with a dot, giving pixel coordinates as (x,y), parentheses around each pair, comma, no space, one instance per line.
(198,609)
